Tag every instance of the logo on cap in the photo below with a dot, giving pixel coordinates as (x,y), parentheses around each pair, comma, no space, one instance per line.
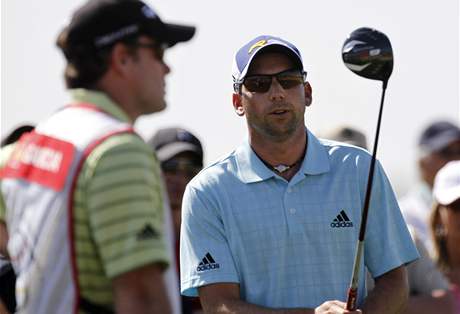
(184,136)
(260,43)
(148,12)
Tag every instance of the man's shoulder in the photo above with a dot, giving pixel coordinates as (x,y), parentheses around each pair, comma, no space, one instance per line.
(341,154)
(121,143)
(120,150)
(336,148)
(220,170)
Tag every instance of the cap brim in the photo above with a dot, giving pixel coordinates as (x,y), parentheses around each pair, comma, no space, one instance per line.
(441,141)
(448,196)
(170,150)
(175,33)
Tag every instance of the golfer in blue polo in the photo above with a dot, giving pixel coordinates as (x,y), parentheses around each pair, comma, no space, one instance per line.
(273,226)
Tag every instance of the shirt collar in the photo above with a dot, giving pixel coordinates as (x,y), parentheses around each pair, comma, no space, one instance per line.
(100,100)
(251,169)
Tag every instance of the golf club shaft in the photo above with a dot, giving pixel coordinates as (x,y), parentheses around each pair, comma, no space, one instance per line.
(353,289)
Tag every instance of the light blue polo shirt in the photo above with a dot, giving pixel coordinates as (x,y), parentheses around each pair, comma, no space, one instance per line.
(289,244)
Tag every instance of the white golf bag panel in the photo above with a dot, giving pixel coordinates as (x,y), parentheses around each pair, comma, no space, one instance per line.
(38,184)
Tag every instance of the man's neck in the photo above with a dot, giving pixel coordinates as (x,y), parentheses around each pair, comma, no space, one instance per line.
(115,91)
(286,152)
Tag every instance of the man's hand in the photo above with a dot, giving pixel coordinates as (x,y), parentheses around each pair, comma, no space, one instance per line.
(334,307)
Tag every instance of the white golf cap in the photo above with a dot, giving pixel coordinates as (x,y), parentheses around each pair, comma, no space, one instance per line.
(446,188)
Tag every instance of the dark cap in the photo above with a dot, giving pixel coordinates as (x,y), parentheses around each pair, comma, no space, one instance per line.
(16,134)
(101,23)
(438,135)
(170,142)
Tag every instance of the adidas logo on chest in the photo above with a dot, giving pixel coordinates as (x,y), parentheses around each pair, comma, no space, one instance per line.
(342,221)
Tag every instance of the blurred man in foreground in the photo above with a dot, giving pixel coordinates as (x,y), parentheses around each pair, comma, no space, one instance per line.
(81,195)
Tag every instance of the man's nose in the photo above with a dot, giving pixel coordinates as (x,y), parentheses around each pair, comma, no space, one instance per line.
(276,91)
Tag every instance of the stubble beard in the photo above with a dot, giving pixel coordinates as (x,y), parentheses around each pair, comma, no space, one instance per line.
(278,131)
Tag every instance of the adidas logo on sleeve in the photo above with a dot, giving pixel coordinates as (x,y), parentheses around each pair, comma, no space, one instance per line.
(147,233)
(207,263)
(342,221)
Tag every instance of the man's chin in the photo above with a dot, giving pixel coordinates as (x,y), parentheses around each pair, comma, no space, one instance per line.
(158,107)
(281,133)
(162,106)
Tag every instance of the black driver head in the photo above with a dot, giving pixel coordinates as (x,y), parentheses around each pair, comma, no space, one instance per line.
(368,53)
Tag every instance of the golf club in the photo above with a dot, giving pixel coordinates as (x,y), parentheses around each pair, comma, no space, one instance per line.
(368,53)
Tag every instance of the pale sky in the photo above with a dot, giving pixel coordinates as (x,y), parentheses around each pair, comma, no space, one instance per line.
(424,85)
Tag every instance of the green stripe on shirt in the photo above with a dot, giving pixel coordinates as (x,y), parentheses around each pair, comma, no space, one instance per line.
(121,199)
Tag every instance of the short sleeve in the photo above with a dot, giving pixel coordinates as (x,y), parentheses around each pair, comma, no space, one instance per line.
(205,256)
(124,205)
(388,243)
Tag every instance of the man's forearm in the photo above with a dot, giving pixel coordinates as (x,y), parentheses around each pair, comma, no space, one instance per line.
(141,290)
(224,298)
(390,293)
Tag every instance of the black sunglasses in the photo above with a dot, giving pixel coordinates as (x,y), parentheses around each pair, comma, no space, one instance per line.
(157,48)
(450,152)
(287,79)
(187,167)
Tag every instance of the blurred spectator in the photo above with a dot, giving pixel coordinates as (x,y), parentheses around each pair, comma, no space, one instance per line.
(181,157)
(81,196)
(445,225)
(14,135)
(349,135)
(439,143)
(7,275)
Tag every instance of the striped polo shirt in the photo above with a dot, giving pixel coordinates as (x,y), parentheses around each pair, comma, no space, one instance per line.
(289,244)
(118,207)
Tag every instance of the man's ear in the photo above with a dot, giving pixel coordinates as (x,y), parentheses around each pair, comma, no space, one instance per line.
(308,94)
(237,104)
(120,58)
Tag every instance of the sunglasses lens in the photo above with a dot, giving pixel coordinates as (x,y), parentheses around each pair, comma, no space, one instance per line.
(159,52)
(258,84)
(451,152)
(157,49)
(180,166)
(288,81)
